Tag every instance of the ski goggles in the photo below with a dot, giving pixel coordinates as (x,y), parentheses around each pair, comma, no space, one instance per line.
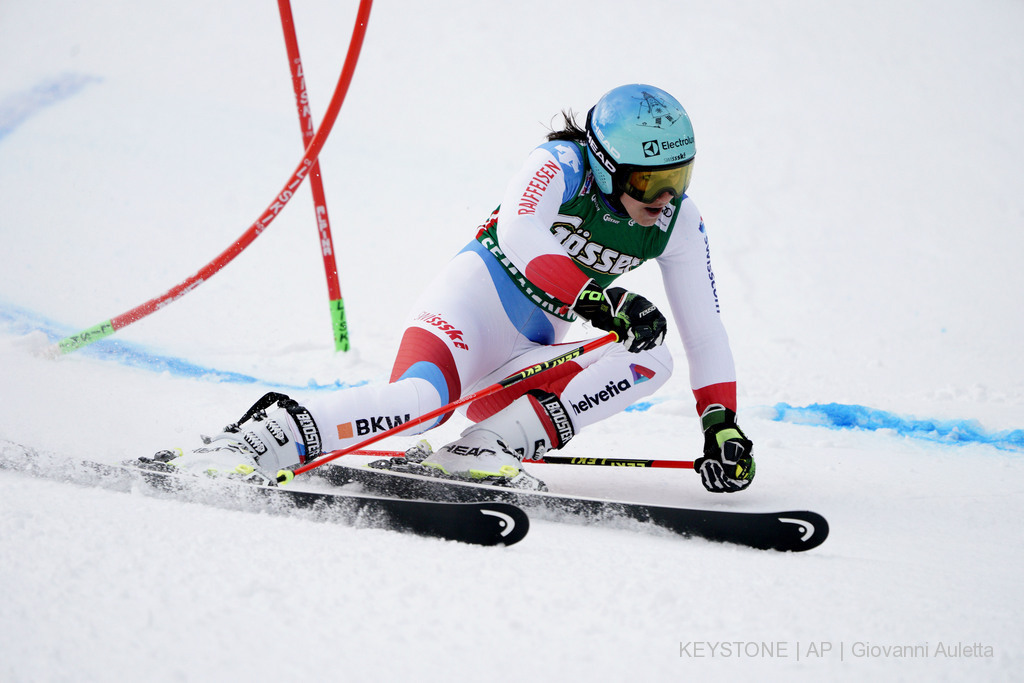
(646,185)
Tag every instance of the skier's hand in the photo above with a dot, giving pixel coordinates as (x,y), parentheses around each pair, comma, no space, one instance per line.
(728,462)
(638,322)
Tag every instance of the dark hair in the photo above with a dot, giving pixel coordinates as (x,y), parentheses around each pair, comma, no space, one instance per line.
(571,130)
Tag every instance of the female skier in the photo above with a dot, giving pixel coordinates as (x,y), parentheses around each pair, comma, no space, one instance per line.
(588,205)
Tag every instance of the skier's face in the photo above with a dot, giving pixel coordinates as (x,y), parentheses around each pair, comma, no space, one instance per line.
(645,214)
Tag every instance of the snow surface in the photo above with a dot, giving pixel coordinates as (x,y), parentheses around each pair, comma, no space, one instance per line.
(859,172)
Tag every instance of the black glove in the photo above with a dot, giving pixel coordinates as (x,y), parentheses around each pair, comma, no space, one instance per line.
(728,462)
(638,322)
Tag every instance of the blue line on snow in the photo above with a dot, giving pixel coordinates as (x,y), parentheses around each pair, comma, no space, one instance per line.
(20,321)
(841,416)
(830,415)
(17,108)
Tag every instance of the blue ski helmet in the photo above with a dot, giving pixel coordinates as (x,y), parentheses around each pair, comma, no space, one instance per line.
(640,142)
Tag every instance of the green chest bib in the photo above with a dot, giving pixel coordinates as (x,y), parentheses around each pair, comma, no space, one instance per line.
(602,243)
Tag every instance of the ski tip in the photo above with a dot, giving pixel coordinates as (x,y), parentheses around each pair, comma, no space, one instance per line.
(804,530)
(510,524)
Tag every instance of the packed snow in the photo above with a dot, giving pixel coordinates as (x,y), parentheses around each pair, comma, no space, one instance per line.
(858,169)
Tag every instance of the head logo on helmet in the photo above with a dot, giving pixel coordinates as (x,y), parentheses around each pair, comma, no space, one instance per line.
(637,127)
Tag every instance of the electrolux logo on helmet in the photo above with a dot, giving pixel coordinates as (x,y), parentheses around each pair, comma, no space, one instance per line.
(672,144)
(653,148)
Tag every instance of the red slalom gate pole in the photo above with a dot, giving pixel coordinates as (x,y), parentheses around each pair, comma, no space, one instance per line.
(337,304)
(287,475)
(107,328)
(567,460)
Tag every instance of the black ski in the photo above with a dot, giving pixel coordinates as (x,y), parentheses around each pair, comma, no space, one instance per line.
(479,522)
(794,530)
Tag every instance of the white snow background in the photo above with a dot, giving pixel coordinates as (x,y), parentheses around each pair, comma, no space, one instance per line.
(858,169)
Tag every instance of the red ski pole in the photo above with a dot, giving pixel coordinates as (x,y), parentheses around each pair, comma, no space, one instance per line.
(287,475)
(337,303)
(108,327)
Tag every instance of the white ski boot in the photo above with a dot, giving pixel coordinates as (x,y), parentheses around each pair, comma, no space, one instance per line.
(254,453)
(492,450)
